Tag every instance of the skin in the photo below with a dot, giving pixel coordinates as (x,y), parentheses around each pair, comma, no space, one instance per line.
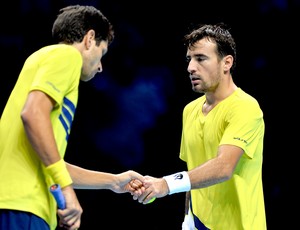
(36,119)
(209,74)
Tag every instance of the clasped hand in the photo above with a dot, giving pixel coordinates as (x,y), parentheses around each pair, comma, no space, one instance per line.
(151,187)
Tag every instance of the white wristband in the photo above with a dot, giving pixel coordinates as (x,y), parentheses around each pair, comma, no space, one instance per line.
(178,182)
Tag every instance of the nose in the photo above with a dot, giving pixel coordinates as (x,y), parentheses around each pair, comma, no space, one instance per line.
(190,67)
(100,69)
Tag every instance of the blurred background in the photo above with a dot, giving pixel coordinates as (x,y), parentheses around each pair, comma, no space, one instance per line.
(129,116)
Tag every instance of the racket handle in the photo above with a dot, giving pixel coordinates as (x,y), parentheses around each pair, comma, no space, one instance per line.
(58,195)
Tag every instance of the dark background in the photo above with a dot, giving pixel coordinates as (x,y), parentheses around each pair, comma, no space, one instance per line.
(129,116)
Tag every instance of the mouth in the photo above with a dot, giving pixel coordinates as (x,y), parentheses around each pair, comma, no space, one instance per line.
(195,80)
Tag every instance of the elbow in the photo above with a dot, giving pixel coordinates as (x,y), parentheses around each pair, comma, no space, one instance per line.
(227,173)
(227,177)
(25,116)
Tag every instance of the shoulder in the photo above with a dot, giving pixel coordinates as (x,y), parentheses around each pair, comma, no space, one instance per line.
(242,98)
(57,55)
(58,50)
(243,104)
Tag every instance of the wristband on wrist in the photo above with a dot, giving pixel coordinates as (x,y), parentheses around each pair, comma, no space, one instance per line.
(59,173)
(178,182)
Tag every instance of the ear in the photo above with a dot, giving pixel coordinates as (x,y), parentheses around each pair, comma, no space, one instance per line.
(228,61)
(89,38)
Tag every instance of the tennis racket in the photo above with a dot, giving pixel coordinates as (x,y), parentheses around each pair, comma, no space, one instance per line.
(58,195)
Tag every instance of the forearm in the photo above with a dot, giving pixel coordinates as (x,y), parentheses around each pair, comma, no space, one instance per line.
(90,179)
(38,127)
(218,169)
(209,173)
(43,143)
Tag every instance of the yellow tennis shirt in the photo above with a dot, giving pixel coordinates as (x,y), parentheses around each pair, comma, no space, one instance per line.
(24,185)
(237,204)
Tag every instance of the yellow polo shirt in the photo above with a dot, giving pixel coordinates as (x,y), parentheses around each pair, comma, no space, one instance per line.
(238,120)
(24,185)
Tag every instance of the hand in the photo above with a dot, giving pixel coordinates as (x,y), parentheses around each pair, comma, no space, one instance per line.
(136,187)
(70,217)
(129,181)
(152,187)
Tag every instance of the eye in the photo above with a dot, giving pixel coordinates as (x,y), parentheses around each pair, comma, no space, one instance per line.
(188,59)
(200,59)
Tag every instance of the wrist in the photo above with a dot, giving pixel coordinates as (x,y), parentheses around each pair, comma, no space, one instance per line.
(178,182)
(59,173)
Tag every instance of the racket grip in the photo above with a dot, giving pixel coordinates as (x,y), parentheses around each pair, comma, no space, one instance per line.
(58,195)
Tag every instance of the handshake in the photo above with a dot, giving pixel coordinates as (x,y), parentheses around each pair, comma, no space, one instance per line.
(145,189)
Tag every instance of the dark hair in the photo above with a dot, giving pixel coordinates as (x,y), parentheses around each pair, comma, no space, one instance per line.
(73,22)
(217,33)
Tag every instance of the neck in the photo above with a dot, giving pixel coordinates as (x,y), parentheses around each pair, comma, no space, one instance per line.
(213,98)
